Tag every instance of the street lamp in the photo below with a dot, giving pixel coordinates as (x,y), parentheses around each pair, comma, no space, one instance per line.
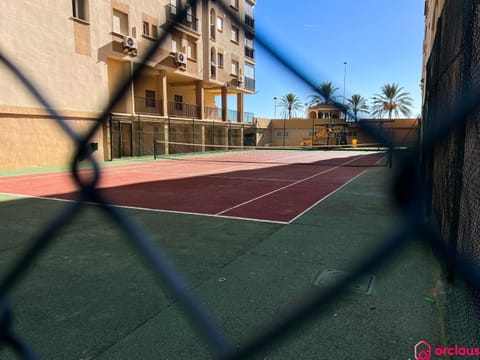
(344,80)
(275,107)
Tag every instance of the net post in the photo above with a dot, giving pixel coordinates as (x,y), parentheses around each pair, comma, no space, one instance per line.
(154,150)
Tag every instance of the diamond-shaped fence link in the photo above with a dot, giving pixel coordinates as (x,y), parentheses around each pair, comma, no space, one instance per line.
(436,188)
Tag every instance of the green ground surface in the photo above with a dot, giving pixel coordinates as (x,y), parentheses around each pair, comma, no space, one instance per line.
(89,296)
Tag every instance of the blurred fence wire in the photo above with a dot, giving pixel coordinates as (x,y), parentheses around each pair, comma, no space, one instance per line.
(436,188)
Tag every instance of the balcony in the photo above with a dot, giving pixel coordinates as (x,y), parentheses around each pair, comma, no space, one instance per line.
(249,52)
(249,84)
(150,106)
(188,20)
(181,109)
(250,21)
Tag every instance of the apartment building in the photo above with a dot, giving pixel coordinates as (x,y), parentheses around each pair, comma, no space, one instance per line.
(78,53)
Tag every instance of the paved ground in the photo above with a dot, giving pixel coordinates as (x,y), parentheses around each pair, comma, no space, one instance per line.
(89,296)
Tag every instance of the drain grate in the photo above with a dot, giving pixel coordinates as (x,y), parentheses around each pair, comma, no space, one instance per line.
(330,277)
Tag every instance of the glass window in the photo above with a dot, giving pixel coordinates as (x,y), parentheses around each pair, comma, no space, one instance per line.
(219,59)
(178,102)
(234,34)
(150,97)
(120,22)
(249,71)
(80,9)
(192,49)
(234,70)
(249,8)
(173,7)
(219,23)
(146,28)
(154,31)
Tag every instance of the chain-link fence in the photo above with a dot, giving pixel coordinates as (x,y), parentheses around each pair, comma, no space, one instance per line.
(451,154)
(445,184)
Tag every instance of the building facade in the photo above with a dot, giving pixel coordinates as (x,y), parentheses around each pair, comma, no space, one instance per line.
(79,52)
(432,12)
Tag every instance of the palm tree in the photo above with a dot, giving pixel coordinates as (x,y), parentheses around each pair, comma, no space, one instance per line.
(326,93)
(358,104)
(290,103)
(392,100)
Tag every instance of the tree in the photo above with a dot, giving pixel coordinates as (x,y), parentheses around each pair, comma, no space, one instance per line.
(358,104)
(392,100)
(325,94)
(290,104)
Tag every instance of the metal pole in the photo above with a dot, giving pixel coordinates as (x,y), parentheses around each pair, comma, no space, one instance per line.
(275,107)
(344,81)
(284,121)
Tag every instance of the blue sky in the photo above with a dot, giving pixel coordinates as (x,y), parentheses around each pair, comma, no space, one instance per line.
(381,41)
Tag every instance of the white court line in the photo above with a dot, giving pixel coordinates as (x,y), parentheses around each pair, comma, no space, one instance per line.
(247,178)
(326,196)
(286,186)
(148,209)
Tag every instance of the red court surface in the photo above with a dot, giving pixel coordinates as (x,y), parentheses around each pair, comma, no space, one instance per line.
(275,186)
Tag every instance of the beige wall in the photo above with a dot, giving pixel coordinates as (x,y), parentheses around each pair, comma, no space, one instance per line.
(30,141)
(403,131)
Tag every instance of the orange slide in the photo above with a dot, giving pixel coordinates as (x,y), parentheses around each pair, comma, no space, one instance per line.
(317,136)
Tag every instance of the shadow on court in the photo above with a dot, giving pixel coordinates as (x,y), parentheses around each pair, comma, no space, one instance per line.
(90,297)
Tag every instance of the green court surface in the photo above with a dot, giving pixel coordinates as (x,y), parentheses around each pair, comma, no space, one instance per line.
(89,296)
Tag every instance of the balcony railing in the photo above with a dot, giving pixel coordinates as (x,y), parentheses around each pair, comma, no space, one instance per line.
(181,109)
(249,84)
(189,20)
(145,105)
(213,113)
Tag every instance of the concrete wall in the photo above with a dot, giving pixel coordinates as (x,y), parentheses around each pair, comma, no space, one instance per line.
(31,141)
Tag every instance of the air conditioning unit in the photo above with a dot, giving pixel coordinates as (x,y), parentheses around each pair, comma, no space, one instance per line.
(181,58)
(129,43)
(240,79)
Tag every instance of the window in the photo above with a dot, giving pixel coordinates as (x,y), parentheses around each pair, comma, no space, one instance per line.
(234,68)
(212,24)
(176,42)
(192,49)
(213,65)
(249,71)
(282,133)
(249,9)
(146,28)
(219,23)
(234,34)
(234,3)
(173,7)
(220,59)
(150,98)
(178,102)
(248,42)
(120,22)
(189,13)
(80,9)
(154,31)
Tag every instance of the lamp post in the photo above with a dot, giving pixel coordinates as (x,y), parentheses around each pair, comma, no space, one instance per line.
(275,107)
(344,88)
(344,80)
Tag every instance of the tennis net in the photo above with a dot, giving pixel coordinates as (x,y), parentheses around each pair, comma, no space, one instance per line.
(314,155)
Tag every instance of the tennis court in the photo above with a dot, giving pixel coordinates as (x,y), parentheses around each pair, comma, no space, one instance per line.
(250,231)
(269,185)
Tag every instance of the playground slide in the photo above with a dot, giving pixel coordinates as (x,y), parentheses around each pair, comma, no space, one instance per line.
(315,138)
